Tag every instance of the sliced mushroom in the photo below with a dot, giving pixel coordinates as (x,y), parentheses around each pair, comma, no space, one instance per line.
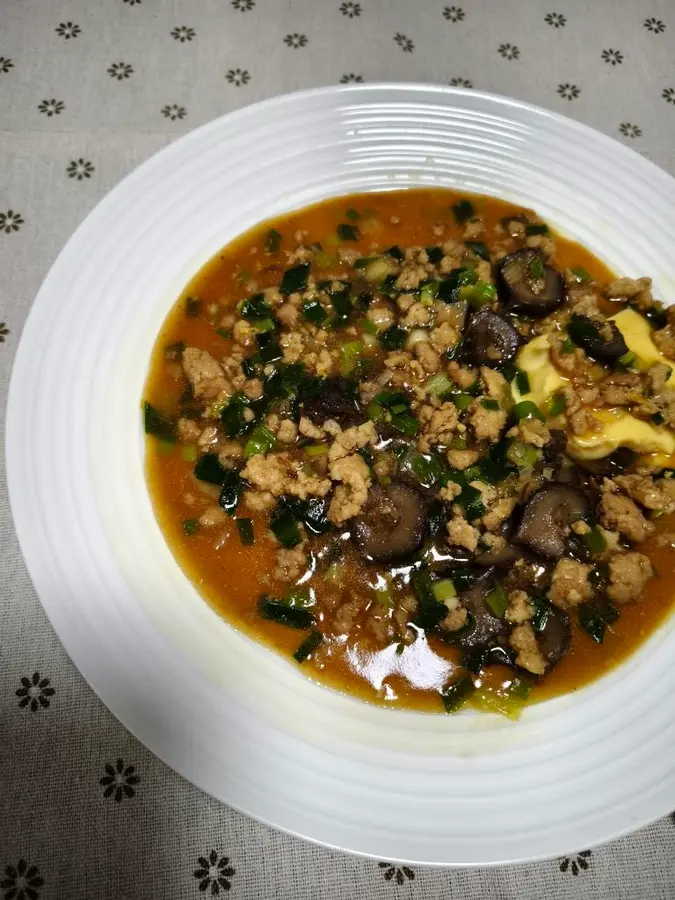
(443,560)
(614,464)
(547,517)
(489,340)
(528,285)
(505,555)
(528,574)
(556,446)
(555,637)
(393,522)
(487,629)
(600,340)
(334,400)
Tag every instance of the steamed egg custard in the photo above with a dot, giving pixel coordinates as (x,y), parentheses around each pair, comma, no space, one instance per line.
(423,447)
(616,426)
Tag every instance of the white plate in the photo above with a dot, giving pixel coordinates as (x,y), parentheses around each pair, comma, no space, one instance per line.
(239,721)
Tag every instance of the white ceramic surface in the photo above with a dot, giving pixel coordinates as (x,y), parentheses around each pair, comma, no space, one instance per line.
(236,719)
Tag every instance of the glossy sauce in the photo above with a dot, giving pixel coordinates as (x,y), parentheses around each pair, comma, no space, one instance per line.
(232,577)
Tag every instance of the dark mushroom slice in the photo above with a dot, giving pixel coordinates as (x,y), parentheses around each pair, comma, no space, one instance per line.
(487,630)
(547,517)
(615,464)
(334,400)
(393,522)
(528,574)
(528,285)
(601,340)
(556,446)
(489,340)
(555,637)
(442,559)
(507,554)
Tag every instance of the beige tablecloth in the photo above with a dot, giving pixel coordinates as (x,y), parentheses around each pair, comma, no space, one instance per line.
(88,90)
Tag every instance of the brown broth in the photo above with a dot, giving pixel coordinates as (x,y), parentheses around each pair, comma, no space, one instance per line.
(231,576)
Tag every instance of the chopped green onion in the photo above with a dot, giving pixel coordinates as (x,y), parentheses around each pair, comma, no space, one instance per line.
(348,232)
(479,248)
(166,446)
(301,597)
(506,702)
(316,449)
(261,441)
(438,384)
(462,211)
(581,274)
(224,333)
(323,260)
(444,590)
(557,404)
(428,292)
(265,325)
(157,424)
(461,400)
(367,326)
(285,528)
(478,294)
(255,308)
(658,418)
(497,600)
(190,527)
(396,253)
(245,529)
(293,617)
(193,307)
(189,453)
(567,346)
(310,644)
(536,268)
(231,492)
(352,214)
(522,382)
(209,469)
(377,270)
(232,416)
(526,409)
(536,228)
(294,279)
(272,241)
(594,617)
(627,360)
(449,288)
(542,611)
(349,356)
(435,255)
(426,470)
(455,695)
(363,261)
(314,312)
(595,540)
(393,338)
(406,424)
(489,403)
(521,454)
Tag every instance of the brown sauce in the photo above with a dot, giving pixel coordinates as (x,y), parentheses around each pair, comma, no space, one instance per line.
(231,577)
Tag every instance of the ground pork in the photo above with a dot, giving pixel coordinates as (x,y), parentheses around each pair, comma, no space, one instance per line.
(292,346)
(648,492)
(619,513)
(494,382)
(450,492)
(259,501)
(278,474)
(288,314)
(427,357)
(228,451)
(410,278)
(444,337)
(309,429)
(455,619)
(381,316)
(531,431)
(288,431)
(188,431)
(290,564)
(205,374)
(418,316)
(569,584)
(498,512)
(438,425)
(462,459)
(639,289)
(664,339)
(212,515)
(462,534)
(628,575)
(461,376)
(352,439)
(519,609)
(529,657)
(350,496)
(487,423)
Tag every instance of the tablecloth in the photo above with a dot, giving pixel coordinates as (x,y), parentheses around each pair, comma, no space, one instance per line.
(88,90)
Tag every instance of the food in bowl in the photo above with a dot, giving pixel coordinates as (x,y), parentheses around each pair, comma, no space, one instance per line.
(422,445)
